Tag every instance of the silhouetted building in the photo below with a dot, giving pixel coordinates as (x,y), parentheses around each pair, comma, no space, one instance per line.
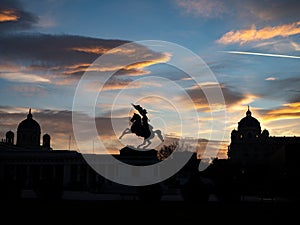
(252,146)
(52,174)
(46,141)
(9,137)
(29,132)
(28,136)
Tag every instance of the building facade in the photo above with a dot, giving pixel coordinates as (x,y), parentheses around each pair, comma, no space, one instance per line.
(28,165)
(252,146)
(28,136)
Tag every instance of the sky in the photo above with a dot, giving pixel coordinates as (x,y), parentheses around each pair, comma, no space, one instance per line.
(251,47)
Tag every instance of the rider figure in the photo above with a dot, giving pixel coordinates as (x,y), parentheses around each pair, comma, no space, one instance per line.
(143,113)
(141,127)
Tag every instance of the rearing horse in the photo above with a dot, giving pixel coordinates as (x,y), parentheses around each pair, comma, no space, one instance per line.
(144,130)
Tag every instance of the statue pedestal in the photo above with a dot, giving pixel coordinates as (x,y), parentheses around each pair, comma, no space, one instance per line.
(130,151)
(136,156)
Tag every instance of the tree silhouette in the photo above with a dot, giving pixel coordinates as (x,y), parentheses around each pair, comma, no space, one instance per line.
(166,151)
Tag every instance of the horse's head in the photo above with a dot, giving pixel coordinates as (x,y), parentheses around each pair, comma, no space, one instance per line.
(135,117)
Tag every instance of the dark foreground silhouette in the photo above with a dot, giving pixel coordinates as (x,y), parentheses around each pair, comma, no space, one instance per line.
(136,212)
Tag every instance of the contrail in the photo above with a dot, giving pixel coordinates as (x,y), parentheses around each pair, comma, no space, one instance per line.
(262,54)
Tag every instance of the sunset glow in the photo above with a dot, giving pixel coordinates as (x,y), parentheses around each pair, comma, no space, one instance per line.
(252,48)
(7,15)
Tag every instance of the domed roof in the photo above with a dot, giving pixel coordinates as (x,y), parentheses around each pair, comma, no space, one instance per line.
(46,137)
(10,134)
(249,121)
(29,124)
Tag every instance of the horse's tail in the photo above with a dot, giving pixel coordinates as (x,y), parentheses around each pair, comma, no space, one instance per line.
(159,134)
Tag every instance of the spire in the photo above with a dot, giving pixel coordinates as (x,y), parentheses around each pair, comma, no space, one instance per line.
(29,116)
(248,113)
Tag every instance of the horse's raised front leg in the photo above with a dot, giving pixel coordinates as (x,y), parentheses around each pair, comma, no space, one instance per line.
(126,131)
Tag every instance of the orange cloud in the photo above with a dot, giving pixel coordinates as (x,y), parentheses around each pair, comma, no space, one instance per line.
(140,65)
(78,66)
(245,100)
(8,15)
(118,85)
(287,111)
(134,69)
(252,34)
(94,50)
(101,50)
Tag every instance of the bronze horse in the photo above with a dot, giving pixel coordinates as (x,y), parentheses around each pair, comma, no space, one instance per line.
(142,128)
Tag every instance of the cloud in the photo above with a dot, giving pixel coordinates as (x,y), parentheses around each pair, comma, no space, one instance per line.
(69,56)
(99,50)
(231,97)
(50,51)
(134,69)
(295,45)
(13,17)
(254,11)
(112,84)
(286,111)
(203,8)
(289,89)
(271,78)
(29,90)
(46,21)
(236,106)
(265,33)
(8,15)
(286,47)
(287,10)
(23,77)
(62,59)
(149,60)
(93,50)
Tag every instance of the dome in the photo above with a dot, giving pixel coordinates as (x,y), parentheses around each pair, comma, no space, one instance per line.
(265,133)
(10,134)
(29,124)
(29,132)
(234,132)
(10,137)
(46,141)
(249,121)
(46,136)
